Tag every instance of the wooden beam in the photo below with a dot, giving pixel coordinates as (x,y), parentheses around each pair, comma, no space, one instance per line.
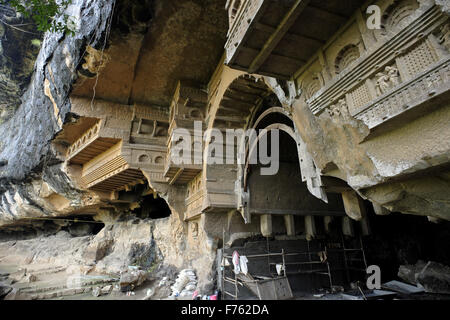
(288,59)
(294,37)
(276,36)
(176,176)
(328,15)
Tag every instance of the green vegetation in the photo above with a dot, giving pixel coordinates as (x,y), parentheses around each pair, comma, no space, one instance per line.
(45,14)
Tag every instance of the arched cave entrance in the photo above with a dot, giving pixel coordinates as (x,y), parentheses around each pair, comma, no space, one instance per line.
(148,204)
(75,225)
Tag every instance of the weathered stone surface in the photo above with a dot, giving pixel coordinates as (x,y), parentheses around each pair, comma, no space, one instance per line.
(16,61)
(81,229)
(4,290)
(96,292)
(153,45)
(98,250)
(132,279)
(25,146)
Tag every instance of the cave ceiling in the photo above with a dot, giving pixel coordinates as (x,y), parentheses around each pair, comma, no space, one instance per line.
(153,44)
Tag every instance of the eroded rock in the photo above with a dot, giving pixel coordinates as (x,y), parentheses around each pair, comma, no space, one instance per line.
(132,279)
(4,290)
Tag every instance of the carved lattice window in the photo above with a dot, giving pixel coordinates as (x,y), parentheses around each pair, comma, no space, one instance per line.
(345,57)
(419,58)
(360,96)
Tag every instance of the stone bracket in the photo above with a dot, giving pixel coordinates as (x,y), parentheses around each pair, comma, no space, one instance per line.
(310,173)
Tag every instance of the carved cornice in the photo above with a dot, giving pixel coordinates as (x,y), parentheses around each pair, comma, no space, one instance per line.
(371,62)
(412,93)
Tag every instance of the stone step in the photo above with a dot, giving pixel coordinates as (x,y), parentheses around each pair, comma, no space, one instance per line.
(33,290)
(60,293)
(46,270)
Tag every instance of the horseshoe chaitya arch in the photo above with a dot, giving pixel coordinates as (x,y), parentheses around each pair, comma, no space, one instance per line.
(269,111)
(274,126)
(233,108)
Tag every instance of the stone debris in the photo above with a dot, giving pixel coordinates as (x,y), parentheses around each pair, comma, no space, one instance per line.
(130,280)
(149,294)
(99,291)
(107,290)
(96,292)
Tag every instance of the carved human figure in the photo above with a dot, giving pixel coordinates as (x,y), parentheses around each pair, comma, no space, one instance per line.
(336,110)
(393,74)
(330,110)
(444,38)
(339,110)
(343,106)
(382,85)
(194,229)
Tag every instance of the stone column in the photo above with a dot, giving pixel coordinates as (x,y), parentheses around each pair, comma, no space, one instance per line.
(266,225)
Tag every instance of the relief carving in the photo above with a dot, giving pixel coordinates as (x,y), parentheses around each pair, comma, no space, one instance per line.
(382,85)
(387,80)
(394,75)
(340,109)
(444,36)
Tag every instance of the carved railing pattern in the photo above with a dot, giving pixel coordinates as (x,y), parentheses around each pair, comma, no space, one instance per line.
(407,95)
(244,17)
(87,138)
(194,200)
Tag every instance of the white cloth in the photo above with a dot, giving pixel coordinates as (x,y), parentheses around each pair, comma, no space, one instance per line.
(279,268)
(243,264)
(235,260)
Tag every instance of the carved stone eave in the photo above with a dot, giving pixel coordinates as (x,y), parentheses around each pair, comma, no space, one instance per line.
(376,106)
(423,94)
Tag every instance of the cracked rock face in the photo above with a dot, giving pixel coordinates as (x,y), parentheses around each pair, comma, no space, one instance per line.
(25,150)
(16,62)
(45,102)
